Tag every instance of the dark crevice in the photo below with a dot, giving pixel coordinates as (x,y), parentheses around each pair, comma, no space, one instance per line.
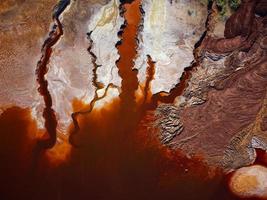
(150,72)
(41,71)
(126,1)
(97,84)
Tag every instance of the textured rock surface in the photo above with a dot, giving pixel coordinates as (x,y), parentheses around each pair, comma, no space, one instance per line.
(225,101)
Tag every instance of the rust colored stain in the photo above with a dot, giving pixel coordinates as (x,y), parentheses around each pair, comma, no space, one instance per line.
(114,155)
(106,165)
(41,70)
(48,113)
(127,52)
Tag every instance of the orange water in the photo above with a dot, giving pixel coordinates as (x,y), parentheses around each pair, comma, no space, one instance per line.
(116,154)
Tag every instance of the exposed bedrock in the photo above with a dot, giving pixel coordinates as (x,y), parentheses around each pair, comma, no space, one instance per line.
(223,109)
(240,23)
(241,31)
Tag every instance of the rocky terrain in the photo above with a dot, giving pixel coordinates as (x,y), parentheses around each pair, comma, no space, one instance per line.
(222,113)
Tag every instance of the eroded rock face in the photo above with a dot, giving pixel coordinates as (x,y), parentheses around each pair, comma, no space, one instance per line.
(224,105)
(240,23)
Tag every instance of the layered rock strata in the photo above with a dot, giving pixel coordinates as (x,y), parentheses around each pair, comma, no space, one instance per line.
(223,108)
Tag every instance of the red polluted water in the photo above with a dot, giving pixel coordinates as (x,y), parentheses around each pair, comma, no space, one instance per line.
(116,154)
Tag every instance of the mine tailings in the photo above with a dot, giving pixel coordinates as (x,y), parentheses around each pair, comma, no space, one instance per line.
(116,147)
(117,155)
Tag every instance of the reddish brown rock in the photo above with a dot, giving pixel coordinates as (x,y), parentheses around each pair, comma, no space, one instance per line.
(240,23)
(224,107)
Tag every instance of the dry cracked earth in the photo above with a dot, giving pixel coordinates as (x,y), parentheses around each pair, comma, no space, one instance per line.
(133,99)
